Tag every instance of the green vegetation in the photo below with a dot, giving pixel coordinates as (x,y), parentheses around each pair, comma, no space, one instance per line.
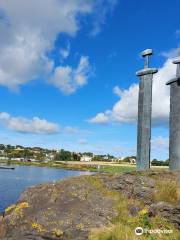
(42,154)
(123,226)
(156,162)
(66,156)
(79,167)
(167,191)
(116,169)
(107,158)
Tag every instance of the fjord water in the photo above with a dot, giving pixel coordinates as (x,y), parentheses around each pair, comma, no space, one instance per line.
(14,182)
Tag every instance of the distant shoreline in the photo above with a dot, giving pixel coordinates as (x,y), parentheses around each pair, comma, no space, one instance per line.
(83,166)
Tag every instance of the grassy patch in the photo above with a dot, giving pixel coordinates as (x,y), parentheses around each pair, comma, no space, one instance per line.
(167,191)
(121,231)
(123,226)
(116,169)
(78,167)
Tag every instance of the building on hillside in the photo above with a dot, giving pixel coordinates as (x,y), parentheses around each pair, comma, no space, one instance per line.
(4,158)
(85,158)
(33,160)
(132,161)
(120,159)
(50,156)
(17,159)
(18,149)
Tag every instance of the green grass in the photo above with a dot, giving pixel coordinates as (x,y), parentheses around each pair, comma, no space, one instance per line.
(122,227)
(167,191)
(116,169)
(78,167)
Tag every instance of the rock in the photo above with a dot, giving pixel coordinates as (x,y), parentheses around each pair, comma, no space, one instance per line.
(133,210)
(168,211)
(132,186)
(65,210)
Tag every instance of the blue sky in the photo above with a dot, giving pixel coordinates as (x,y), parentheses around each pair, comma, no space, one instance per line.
(67,73)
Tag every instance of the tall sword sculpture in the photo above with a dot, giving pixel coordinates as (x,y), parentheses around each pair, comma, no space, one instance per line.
(174,131)
(144,112)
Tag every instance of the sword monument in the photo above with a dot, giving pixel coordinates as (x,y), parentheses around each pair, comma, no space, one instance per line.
(144,112)
(174,123)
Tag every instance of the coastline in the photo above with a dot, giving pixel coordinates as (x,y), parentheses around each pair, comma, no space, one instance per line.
(99,206)
(77,166)
(84,166)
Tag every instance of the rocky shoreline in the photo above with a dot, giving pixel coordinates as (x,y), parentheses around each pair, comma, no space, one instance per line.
(72,208)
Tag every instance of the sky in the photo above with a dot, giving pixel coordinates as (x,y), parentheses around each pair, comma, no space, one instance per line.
(68,72)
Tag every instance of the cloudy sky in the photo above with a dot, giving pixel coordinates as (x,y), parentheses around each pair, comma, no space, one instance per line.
(67,72)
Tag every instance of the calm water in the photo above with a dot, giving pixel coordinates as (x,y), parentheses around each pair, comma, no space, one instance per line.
(14,182)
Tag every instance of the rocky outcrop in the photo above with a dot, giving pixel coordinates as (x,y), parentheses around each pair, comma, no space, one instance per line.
(131,185)
(69,209)
(64,210)
(168,211)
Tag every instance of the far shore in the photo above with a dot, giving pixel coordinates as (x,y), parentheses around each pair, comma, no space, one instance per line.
(94,166)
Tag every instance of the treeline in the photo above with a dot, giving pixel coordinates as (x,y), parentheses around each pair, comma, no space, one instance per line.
(64,155)
(156,162)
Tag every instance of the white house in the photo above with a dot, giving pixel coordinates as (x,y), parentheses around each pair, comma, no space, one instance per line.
(50,156)
(132,161)
(86,158)
(17,159)
(4,158)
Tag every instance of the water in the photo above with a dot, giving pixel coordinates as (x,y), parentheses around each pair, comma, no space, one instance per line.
(14,182)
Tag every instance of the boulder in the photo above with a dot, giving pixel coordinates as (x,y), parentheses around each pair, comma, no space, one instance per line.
(168,211)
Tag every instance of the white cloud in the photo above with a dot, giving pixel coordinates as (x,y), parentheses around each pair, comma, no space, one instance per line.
(28,30)
(71,130)
(100,118)
(117,91)
(29,33)
(68,80)
(23,61)
(103,8)
(125,110)
(64,52)
(171,53)
(24,125)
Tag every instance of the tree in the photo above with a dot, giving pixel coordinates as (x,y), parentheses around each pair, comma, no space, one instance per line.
(89,154)
(2,147)
(156,162)
(63,156)
(40,156)
(98,158)
(75,157)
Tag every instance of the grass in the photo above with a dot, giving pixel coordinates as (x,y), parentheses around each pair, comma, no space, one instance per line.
(116,169)
(167,191)
(121,231)
(78,167)
(123,226)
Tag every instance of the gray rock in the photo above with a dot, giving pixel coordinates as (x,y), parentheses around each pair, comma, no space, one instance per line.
(168,211)
(132,186)
(72,206)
